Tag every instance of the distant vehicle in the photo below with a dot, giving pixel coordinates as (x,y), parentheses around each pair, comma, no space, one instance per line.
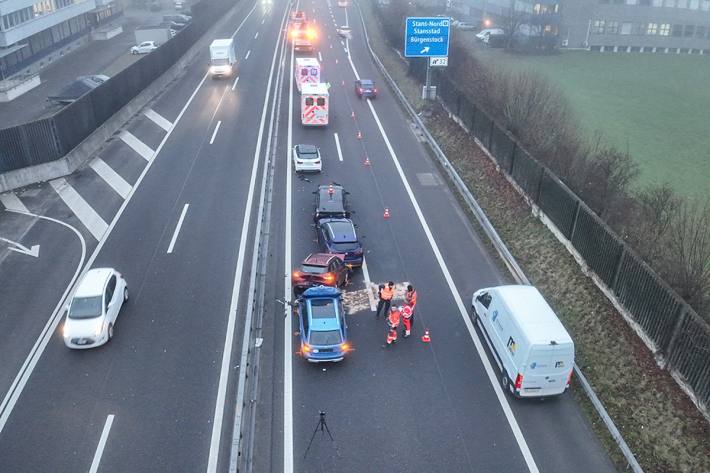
(314,104)
(94,308)
(365,88)
(302,45)
(144,48)
(177,19)
(179,5)
(223,58)
(529,343)
(321,269)
(322,324)
(331,202)
(337,236)
(344,31)
(307,158)
(78,88)
(298,16)
(343,3)
(465,25)
(485,34)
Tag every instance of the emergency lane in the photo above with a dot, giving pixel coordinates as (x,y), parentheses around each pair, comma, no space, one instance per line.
(159,376)
(415,404)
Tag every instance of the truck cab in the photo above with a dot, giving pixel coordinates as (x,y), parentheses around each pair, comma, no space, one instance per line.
(223,57)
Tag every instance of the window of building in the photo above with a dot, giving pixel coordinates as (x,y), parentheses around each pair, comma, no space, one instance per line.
(42,8)
(669,3)
(700,32)
(626,28)
(598,27)
(603,2)
(677,30)
(694,4)
(682,3)
(689,31)
(657,3)
(63,3)
(618,2)
(665,29)
(645,3)
(652,28)
(705,5)
(612,27)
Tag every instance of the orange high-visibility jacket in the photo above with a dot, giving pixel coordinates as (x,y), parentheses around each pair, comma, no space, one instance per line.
(387,293)
(411,298)
(407,312)
(393,318)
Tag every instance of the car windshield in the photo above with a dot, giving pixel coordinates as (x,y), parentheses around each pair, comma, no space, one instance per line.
(328,337)
(367,83)
(322,309)
(85,307)
(347,246)
(220,62)
(308,268)
(308,153)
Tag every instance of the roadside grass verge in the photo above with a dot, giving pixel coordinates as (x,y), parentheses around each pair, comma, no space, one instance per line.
(658,421)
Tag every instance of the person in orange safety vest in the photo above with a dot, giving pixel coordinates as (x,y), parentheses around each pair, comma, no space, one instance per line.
(386,294)
(393,323)
(411,297)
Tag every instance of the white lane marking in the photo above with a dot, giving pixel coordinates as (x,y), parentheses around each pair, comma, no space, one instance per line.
(256,35)
(368,285)
(347,43)
(247,56)
(263,20)
(288,322)
(237,284)
(158,119)
(18,247)
(137,145)
(177,228)
(102,444)
(337,145)
(216,129)
(28,366)
(12,202)
(236,81)
(320,58)
(111,177)
(510,417)
(80,207)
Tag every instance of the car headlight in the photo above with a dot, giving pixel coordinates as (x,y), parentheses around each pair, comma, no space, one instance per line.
(98,328)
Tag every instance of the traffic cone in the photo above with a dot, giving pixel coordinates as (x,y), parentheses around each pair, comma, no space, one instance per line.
(330,189)
(343,83)
(426,338)
(367,162)
(359,135)
(352,114)
(387,213)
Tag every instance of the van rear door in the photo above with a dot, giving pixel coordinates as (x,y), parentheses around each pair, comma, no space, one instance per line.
(547,369)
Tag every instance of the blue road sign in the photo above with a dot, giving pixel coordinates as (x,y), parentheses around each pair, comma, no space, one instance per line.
(426,37)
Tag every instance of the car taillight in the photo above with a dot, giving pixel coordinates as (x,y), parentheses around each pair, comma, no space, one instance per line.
(569,377)
(519,381)
(296,275)
(330,278)
(317,161)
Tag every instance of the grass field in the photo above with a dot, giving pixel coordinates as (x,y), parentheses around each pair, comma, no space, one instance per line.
(655,105)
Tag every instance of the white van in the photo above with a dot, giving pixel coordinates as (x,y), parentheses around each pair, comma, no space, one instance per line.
(529,343)
(306,71)
(314,104)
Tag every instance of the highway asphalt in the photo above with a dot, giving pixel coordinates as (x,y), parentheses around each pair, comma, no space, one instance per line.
(161,395)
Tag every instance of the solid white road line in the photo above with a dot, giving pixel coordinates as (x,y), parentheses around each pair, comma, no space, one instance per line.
(368,285)
(159,120)
(320,58)
(247,56)
(137,145)
(238,277)
(256,35)
(102,444)
(288,322)
(216,129)
(492,377)
(236,81)
(28,366)
(81,208)
(177,228)
(12,202)
(111,177)
(337,145)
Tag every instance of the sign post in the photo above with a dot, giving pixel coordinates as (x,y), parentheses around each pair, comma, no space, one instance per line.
(427,37)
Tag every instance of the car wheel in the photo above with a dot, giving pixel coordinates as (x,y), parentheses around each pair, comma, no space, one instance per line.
(125,294)
(110,331)
(505,381)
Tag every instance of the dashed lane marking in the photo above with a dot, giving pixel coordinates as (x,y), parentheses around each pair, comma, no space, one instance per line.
(158,119)
(80,207)
(111,177)
(137,145)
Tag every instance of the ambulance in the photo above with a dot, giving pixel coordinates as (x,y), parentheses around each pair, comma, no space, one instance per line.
(314,104)
(307,71)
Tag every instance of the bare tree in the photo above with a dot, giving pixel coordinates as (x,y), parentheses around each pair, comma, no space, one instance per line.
(512,21)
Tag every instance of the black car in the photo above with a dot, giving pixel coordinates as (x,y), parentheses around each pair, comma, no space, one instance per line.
(365,88)
(331,202)
(337,236)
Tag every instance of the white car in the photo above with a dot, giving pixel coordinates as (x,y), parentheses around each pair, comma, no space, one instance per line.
(94,307)
(144,48)
(484,35)
(307,158)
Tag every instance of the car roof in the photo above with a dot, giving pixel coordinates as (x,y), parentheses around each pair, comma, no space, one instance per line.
(330,203)
(321,292)
(318,259)
(307,148)
(93,282)
(341,230)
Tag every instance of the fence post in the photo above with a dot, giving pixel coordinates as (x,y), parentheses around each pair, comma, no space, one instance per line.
(574,220)
(618,268)
(512,158)
(682,314)
(490,135)
(538,193)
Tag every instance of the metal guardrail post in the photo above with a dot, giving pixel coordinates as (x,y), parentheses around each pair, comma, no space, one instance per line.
(500,247)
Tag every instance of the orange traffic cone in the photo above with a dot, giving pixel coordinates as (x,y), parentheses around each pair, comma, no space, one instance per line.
(426,338)
(387,213)
(367,162)
(330,189)
(359,135)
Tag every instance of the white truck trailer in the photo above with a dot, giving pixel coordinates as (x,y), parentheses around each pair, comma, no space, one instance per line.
(223,58)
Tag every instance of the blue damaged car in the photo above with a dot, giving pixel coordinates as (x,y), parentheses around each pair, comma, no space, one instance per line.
(324,335)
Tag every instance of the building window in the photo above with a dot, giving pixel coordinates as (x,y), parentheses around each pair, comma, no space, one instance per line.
(700,32)
(645,3)
(63,3)
(705,5)
(598,27)
(669,3)
(42,8)
(631,2)
(665,29)
(637,29)
(689,31)
(682,3)
(657,3)
(694,4)
(626,28)
(652,28)
(677,30)
(612,27)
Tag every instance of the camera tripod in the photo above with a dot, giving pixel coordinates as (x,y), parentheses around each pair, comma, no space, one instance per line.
(323,427)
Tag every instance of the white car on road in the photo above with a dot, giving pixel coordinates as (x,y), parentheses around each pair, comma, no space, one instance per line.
(94,307)
(144,48)
(307,158)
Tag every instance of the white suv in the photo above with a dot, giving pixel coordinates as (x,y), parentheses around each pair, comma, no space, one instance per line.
(94,307)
